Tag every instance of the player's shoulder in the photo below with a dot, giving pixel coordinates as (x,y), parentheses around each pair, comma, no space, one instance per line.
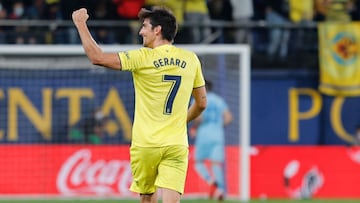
(144,50)
(185,51)
(139,51)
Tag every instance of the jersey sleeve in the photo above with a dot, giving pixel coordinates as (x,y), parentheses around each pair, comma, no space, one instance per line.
(131,60)
(199,77)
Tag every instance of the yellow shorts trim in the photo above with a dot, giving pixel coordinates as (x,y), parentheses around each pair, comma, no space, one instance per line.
(163,167)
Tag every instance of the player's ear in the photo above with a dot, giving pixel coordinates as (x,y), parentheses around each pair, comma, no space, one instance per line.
(157,29)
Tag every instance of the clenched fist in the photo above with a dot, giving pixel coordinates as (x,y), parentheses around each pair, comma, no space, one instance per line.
(80,16)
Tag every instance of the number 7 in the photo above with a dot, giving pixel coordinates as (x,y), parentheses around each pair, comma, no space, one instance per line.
(176,80)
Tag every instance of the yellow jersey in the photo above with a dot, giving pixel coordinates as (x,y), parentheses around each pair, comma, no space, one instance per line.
(164,78)
(196,6)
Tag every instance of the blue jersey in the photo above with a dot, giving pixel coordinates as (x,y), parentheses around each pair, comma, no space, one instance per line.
(212,124)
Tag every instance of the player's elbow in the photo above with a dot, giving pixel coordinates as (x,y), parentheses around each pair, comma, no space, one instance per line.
(95,59)
(107,60)
(96,56)
(202,106)
(200,98)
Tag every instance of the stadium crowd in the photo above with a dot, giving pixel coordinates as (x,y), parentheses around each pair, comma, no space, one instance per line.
(276,28)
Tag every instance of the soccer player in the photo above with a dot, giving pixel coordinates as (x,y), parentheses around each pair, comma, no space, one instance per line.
(164,79)
(208,129)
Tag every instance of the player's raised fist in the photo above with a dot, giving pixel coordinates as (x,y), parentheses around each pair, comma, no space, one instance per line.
(80,16)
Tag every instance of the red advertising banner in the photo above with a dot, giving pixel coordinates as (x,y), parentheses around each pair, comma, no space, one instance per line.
(64,169)
(70,170)
(104,170)
(305,172)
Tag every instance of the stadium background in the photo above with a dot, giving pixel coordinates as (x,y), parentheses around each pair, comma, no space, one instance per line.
(310,137)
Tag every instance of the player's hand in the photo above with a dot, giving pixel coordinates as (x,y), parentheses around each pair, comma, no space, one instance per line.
(80,16)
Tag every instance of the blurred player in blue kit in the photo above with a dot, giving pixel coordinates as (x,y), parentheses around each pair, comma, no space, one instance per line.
(208,129)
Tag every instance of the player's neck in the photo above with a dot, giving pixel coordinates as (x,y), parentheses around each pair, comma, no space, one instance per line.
(161,42)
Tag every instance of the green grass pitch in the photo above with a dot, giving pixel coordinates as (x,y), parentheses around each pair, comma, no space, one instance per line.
(183,201)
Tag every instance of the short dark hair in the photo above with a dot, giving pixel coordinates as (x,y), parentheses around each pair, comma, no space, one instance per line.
(163,17)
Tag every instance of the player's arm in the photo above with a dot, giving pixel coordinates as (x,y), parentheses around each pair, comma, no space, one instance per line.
(199,104)
(194,126)
(197,121)
(227,117)
(92,49)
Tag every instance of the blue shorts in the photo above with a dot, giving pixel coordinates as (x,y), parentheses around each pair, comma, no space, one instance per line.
(210,150)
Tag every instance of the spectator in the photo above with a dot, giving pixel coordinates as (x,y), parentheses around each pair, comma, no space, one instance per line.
(302,13)
(91,130)
(127,10)
(259,34)
(55,34)
(196,12)
(20,34)
(242,13)
(355,13)
(177,7)
(36,10)
(3,15)
(94,127)
(17,11)
(338,10)
(104,10)
(277,16)
(67,7)
(221,10)
(319,10)
(208,129)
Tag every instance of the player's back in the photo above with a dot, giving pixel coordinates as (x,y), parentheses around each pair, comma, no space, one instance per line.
(163,80)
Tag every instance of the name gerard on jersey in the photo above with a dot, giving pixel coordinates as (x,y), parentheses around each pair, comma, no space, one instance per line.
(169,62)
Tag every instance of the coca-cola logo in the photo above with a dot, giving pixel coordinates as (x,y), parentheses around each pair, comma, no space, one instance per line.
(79,174)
